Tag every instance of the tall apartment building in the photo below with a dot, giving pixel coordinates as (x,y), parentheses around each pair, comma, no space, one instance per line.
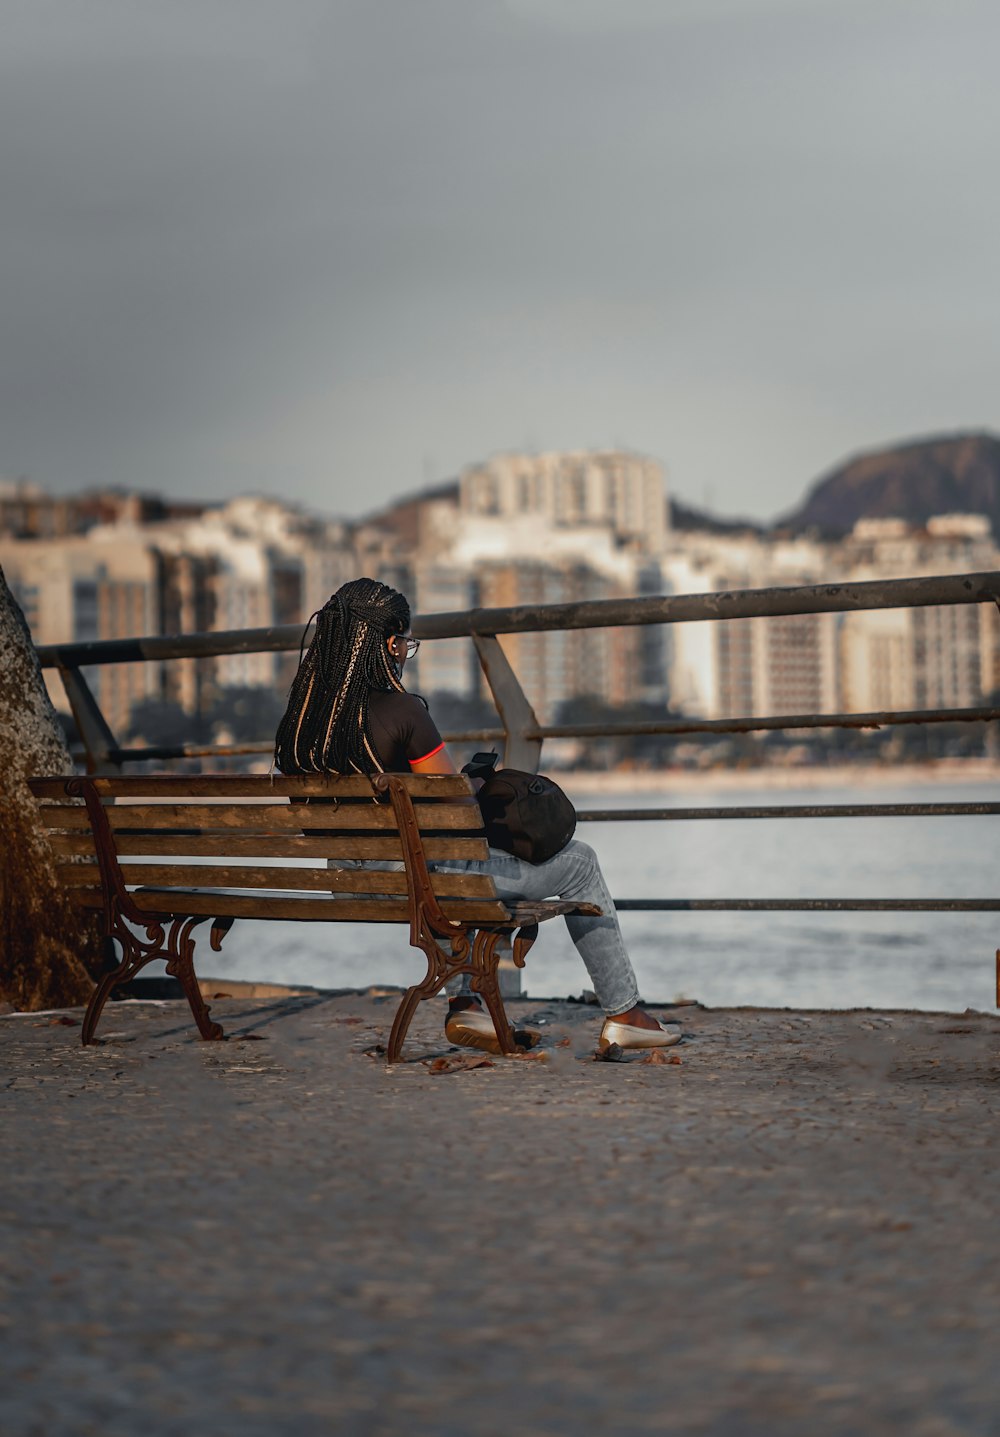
(28,512)
(754,666)
(560,664)
(785,665)
(252,563)
(861,662)
(524,529)
(938,657)
(443,666)
(614,490)
(79,589)
(521,530)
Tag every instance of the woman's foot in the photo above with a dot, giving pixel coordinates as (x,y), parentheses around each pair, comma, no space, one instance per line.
(637,1029)
(636,1017)
(462,1002)
(468,1025)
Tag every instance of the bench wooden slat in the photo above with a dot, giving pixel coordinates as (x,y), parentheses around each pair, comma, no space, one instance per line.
(175,903)
(329,910)
(239,846)
(248,785)
(88,895)
(64,816)
(65,845)
(267,817)
(538,911)
(77,875)
(341,880)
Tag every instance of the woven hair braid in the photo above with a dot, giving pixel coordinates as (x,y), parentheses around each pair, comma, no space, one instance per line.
(325,724)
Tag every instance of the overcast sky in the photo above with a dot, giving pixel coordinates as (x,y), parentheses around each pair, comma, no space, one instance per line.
(336,251)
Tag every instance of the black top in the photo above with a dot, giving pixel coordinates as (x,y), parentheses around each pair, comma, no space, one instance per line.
(402,729)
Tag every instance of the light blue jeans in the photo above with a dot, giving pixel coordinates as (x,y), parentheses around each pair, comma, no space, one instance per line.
(573,874)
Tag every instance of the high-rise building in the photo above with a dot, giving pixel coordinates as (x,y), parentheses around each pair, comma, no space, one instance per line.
(78,589)
(252,563)
(443,666)
(614,490)
(559,664)
(936,657)
(529,529)
(753,666)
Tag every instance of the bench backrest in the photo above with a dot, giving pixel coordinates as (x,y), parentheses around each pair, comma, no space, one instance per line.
(253,833)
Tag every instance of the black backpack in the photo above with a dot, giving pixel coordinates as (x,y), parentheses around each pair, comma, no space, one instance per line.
(523,813)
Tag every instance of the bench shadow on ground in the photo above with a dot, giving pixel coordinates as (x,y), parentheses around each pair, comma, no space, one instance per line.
(565,1035)
(250,1018)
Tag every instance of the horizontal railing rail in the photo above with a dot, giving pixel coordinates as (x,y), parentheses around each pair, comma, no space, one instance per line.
(780,810)
(594,614)
(800,905)
(612,730)
(808,905)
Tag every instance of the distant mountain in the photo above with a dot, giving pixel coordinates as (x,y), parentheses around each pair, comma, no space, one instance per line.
(684,518)
(947,474)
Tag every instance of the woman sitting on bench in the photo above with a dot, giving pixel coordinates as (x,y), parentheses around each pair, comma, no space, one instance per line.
(348,712)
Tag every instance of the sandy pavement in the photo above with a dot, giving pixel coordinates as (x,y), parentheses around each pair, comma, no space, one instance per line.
(792,1230)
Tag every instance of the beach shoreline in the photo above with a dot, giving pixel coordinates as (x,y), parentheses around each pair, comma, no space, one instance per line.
(937,772)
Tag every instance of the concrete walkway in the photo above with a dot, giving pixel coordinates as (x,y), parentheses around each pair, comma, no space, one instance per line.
(793,1230)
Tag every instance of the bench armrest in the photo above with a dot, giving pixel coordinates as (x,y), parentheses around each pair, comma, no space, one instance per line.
(422,898)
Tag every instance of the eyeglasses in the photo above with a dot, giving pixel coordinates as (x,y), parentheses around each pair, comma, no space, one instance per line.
(412,645)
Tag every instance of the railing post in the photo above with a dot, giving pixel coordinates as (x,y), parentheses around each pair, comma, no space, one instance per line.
(97,737)
(520,751)
(521,748)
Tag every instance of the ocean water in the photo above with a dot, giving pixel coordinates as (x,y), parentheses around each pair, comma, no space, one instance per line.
(932,961)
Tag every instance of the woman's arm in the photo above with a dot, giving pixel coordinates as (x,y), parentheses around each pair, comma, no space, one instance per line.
(440,761)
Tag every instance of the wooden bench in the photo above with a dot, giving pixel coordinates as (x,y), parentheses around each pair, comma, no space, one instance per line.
(165,852)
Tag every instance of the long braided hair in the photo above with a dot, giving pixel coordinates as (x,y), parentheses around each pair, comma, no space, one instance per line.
(325,726)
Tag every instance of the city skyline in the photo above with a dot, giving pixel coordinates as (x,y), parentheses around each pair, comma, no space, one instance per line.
(338,251)
(14,490)
(518,530)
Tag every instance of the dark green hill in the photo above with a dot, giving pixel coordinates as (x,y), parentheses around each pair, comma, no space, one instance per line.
(685,517)
(948,474)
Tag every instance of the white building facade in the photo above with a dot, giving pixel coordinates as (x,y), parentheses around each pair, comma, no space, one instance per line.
(78,589)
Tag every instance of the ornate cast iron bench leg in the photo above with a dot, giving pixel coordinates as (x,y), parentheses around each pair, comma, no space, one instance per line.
(136,953)
(98,999)
(440,967)
(485,959)
(402,1020)
(480,959)
(181,966)
(120,911)
(178,950)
